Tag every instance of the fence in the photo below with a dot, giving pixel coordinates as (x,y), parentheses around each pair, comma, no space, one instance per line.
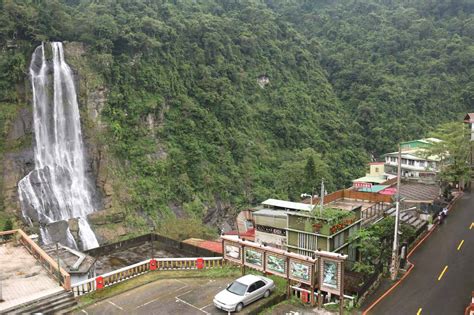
(116,276)
(374,211)
(48,263)
(163,242)
(353,194)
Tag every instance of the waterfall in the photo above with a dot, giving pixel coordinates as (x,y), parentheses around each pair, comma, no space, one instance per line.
(58,188)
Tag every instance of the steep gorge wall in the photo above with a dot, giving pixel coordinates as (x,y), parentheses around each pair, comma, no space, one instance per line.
(17,156)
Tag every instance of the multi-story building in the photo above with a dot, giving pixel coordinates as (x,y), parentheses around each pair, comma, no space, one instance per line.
(329,229)
(271,221)
(414,160)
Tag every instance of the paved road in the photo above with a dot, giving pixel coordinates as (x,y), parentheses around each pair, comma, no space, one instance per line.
(427,287)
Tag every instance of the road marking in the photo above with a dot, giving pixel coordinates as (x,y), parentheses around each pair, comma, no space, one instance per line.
(419,311)
(442,272)
(472,224)
(189,304)
(206,306)
(163,296)
(120,308)
(84,312)
(460,244)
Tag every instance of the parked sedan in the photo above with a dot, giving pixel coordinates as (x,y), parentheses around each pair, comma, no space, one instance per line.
(243,291)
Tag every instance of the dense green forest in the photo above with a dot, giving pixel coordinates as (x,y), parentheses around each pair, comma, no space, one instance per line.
(347,80)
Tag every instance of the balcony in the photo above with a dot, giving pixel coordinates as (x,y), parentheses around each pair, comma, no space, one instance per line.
(330,221)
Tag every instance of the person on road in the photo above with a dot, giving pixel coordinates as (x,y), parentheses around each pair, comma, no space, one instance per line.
(445,211)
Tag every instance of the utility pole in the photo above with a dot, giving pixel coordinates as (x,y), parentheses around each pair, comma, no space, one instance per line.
(394,265)
(322,198)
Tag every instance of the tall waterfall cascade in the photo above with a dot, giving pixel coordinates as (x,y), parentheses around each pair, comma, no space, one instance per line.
(58,188)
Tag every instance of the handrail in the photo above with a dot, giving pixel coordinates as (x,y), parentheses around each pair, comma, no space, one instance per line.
(33,247)
(119,275)
(42,256)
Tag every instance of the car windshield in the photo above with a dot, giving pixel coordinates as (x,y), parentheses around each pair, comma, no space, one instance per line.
(237,288)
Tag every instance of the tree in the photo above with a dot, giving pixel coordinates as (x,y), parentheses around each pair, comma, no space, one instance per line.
(453,152)
(375,244)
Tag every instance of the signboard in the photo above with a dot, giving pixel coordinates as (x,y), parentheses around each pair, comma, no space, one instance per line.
(275,264)
(362,185)
(232,251)
(300,271)
(271,230)
(254,258)
(330,275)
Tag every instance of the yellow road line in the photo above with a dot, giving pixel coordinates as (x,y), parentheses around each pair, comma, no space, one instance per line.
(472,224)
(442,272)
(419,311)
(460,244)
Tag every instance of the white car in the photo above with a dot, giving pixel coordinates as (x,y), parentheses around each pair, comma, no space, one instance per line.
(243,291)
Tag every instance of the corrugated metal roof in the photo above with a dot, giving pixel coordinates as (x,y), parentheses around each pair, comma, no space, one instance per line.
(270,213)
(287,204)
(371,179)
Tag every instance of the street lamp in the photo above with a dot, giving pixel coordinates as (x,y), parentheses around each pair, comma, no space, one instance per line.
(321,202)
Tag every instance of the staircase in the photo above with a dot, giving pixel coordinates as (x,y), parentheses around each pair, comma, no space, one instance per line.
(408,218)
(58,303)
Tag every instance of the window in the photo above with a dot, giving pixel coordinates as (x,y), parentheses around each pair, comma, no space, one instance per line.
(252,288)
(376,170)
(307,241)
(404,161)
(411,162)
(393,159)
(259,284)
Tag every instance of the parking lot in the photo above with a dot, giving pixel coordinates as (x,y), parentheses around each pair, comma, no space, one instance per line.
(168,296)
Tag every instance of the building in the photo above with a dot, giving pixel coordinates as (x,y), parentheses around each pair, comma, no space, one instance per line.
(327,229)
(414,162)
(271,221)
(375,180)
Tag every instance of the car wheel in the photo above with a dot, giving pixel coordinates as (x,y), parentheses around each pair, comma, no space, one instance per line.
(239,307)
(266,294)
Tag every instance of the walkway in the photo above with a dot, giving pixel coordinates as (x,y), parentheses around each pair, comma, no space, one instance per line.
(442,280)
(22,277)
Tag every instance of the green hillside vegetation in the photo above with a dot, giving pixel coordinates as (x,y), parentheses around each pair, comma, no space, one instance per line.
(191,126)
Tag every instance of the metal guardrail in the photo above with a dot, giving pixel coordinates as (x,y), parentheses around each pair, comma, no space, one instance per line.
(125,273)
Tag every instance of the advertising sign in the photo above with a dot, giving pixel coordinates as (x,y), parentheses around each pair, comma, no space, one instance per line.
(300,271)
(254,258)
(330,276)
(276,264)
(232,251)
(362,185)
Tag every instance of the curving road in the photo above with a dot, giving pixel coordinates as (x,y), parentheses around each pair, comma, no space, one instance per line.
(442,279)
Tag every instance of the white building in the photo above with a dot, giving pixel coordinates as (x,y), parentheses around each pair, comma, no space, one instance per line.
(414,162)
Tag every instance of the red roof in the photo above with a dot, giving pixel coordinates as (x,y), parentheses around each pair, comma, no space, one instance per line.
(249,233)
(213,246)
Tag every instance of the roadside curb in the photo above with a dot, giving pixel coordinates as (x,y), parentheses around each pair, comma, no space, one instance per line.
(412,265)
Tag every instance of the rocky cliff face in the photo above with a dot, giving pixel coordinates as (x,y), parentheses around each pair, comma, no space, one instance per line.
(108,223)
(18,158)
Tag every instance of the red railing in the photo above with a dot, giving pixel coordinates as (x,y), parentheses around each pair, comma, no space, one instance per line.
(125,273)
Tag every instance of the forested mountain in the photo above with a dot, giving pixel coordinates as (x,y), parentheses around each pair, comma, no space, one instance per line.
(186,120)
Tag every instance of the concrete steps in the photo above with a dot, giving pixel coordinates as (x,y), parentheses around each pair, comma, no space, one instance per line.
(57,303)
(407,218)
